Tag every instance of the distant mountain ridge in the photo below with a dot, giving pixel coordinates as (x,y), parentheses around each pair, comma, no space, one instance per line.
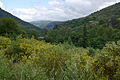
(21,23)
(45,24)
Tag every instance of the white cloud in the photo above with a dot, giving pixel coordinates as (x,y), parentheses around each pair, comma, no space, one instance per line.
(1,4)
(53,3)
(62,9)
(24,11)
(24,17)
(107,4)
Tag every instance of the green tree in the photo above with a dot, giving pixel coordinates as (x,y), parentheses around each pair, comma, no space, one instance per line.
(33,32)
(84,37)
(9,28)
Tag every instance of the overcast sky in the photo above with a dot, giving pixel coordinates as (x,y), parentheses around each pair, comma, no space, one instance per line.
(56,10)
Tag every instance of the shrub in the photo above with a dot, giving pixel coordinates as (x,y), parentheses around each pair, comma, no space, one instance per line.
(106,64)
(4,42)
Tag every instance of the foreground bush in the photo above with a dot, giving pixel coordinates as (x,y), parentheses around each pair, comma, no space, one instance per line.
(106,65)
(4,42)
(29,59)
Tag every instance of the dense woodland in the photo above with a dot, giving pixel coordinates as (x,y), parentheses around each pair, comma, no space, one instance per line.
(93,31)
(82,49)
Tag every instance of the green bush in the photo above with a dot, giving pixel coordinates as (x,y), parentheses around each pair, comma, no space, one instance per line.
(4,42)
(30,59)
(107,64)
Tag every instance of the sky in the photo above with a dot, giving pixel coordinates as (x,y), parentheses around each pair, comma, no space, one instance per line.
(55,10)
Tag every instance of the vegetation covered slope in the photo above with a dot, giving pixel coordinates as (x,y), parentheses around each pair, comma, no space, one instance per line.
(94,30)
(40,24)
(45,24)
(108,15)
(29,28)
(21,23)
(10,28)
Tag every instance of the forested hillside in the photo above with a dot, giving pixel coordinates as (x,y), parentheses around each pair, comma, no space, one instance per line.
(30,29)
(109,15)
(21,23)
(94,30)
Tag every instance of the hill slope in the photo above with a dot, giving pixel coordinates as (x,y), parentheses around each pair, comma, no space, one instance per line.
(45,24)
(22,23)
(107,15)
(94,30)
